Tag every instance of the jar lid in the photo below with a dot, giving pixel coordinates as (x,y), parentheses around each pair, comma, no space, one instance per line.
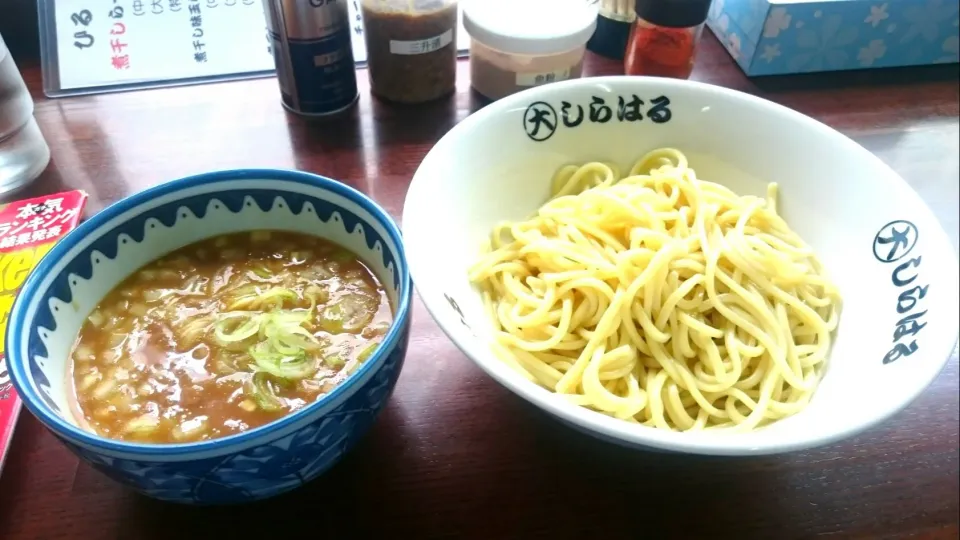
(673,13)
(534,27)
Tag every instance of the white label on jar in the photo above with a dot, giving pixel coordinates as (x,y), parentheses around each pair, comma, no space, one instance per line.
(422,46)
(536,79)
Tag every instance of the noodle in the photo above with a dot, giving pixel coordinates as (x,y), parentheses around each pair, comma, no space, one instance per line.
(660,299)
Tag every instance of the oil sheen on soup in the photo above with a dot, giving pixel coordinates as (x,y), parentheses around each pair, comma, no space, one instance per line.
(225,335)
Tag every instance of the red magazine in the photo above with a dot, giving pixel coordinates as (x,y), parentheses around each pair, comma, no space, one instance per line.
(28,229)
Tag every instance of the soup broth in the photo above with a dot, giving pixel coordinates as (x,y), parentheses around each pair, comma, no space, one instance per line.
(225,335)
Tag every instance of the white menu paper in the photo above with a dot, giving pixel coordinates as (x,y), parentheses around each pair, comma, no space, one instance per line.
(104,45)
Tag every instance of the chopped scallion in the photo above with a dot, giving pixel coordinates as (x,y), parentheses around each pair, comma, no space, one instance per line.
(263,393)
(367,352)
(334,360)
(283,366)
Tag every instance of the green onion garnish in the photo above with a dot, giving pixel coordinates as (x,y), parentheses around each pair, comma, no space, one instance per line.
(293,367)
(334,361)
(367,352)
(244,324)
(262,392)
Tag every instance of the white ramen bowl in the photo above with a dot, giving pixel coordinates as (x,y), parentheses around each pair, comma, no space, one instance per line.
(498,163)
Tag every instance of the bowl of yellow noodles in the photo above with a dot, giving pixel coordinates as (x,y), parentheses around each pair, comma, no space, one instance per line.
(668,264)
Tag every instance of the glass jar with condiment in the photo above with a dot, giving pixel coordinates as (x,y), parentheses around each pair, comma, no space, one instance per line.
(613,28)
(411,48)
(518,44)
(664,38)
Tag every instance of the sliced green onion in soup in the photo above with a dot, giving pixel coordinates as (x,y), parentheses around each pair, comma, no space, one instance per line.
(352,313)
(282,351)
(191,331)
(352,367)
(261,272)
(367,352)
(276,296)
(241,297)
(229,362)
(249,297)
(289,317)
(375,330)
(293,367)
(331,319)
(317,294)
(236,326)
(260,389)
(290,338)
(334,360)
(293,344)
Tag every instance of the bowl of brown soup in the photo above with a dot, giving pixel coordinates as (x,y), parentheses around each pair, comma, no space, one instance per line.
(217,339)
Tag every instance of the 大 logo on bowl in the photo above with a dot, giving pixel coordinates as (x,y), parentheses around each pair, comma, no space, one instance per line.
(893,242)
(540,120)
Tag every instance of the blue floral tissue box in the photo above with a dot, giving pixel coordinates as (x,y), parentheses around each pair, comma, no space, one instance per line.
(771,37)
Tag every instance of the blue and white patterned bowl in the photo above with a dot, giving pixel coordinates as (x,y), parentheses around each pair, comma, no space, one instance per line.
(83,267)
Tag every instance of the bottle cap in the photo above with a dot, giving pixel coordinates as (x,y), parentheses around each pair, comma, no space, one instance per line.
(673,13)
(531,27)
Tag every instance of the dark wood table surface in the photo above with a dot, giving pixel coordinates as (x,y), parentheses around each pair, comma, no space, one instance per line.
(454,454)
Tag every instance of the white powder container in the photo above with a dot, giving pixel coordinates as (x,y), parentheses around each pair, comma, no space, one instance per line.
(518,44)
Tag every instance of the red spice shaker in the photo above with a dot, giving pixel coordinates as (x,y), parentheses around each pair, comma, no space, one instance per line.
(664,38)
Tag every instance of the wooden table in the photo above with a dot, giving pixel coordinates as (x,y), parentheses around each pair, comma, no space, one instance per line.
(454,454)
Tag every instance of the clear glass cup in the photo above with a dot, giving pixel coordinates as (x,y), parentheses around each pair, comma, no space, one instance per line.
(24,153)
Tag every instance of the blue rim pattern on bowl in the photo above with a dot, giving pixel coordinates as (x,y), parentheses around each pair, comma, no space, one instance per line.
(264,471)
(32,314)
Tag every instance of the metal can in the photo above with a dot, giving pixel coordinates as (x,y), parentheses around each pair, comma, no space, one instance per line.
(311,47)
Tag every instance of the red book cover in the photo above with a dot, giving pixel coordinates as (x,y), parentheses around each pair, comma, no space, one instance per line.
(28,229)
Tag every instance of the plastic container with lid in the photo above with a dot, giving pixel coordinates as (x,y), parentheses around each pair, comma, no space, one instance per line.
(517,44)
(411,48)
